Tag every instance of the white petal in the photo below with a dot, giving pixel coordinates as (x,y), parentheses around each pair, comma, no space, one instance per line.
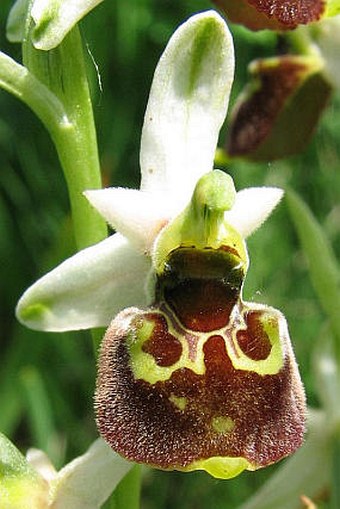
(187,106)
(55,18)
(87,481)
(88,289)
(41,464)
(138,215)
(252,207)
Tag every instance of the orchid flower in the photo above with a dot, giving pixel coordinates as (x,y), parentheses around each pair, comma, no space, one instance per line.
(190,377)
(33,482)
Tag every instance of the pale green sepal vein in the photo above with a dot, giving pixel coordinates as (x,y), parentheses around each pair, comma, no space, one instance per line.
(55,18)
(187,106)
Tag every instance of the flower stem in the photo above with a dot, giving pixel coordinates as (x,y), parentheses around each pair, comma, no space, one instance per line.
(54,85)
(127,493)
(62,71)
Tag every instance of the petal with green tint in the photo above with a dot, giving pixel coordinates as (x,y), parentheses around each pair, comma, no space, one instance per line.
(55,18)
(20,486)
(267,130)
(16,21)
(138,215)
(252,207)
(88,481)
(88,289)
(187,106)
(273,14)
(41,463)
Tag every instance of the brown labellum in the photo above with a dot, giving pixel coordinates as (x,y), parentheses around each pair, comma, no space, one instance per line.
(272,14)
(179,387)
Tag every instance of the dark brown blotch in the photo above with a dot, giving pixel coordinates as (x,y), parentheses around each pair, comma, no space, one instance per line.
(201,286)
(163,346)
(253,340)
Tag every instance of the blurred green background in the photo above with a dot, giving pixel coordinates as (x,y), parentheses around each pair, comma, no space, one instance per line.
(47,380)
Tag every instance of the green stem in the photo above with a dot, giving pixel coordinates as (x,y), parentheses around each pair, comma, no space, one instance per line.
(62,70)
(54,85)
(18,81)
(127,493)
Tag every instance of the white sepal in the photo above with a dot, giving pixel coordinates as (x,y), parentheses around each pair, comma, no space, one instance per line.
(138,215)
(55,18)
(88,480)
(41,463)
(187,106)
(88,289)
(252,207)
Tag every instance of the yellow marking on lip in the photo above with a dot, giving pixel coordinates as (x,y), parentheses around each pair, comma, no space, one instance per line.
(222,424)
(178,401)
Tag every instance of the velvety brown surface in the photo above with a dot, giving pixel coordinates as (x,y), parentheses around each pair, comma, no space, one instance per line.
(142,422)
(291,13)
(253,120)
(272,14)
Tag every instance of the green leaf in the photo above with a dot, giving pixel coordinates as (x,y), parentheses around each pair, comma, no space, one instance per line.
(39,410)
(327,376)
(323,266)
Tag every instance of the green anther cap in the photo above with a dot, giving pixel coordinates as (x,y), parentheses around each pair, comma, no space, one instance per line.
(215,192)
(202,224)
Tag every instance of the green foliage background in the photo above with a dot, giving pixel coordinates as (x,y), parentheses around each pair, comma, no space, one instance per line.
(47,380)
